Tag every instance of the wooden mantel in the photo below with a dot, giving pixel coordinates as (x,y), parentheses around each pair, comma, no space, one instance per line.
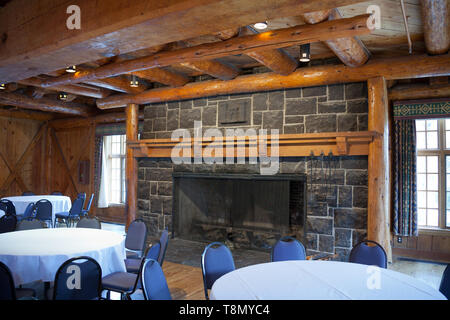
(290,145)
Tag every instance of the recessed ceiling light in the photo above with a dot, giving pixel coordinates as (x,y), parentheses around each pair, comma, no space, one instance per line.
(260,25)
(305,55)
(71,69)
(2,86)
(134,83)
(63,96)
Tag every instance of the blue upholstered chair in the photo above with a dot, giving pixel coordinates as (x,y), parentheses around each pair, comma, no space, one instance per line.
(8,207)
(217,260)
(288,248)
(44,211)
(90,280)
(30,225)
(85,212)
(154,282)
(8,290)
(164,241)
(8,223)
(444,288)
(73,214)
(135,239)
(28,214)
(28,193)
(92,223)
(370,253)
(56,193)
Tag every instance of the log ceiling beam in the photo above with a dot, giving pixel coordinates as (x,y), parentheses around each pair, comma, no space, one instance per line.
(240,45)
(120,84)
(44,104)
(213,68)
(435,17)
(349,50)
(103,118)
(394,68)
(419,91)
(163,76)
(26,114)
(37,40)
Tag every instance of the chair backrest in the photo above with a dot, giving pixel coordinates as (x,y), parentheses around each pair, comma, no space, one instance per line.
(88,207)
(444,287)
(77,207)
(56,193)
(30,225)
(136,235)
(7,287)
(153,251)
(288,248)
(44,210)
(82,195)
(164,241)
(78,278)
(92,223)
(8,223)
(154,282)
(371,255)
(28,193)
(7,206)
(29,210)
(217,260)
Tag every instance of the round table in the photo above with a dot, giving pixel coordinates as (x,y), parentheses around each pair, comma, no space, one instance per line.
(59,203)
(319,280)
(37,254)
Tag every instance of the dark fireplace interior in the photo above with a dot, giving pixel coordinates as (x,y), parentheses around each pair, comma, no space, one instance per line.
(246,211)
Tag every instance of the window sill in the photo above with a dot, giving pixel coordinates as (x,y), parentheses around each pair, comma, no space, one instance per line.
(115,205)
(434,231)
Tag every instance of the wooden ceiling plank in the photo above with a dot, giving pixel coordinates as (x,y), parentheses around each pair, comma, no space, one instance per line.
(163,76)
(435,16)
(419,66)
(213,68)
(240,45)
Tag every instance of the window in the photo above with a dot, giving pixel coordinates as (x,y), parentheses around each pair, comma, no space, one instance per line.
(115,157)
(433,173)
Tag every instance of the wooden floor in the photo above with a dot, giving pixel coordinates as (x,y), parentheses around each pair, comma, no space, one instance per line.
(185,282)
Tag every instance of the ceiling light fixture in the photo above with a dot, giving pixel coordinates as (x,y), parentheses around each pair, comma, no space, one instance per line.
(260,25)
(2,86)
(71,69)
(63,96)
(305,55)
(134,83)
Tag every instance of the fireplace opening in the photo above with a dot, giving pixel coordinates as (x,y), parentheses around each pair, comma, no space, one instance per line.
(244,211)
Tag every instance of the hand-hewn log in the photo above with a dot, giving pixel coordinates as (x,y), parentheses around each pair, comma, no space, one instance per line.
(163,76)
(214,68)
(394,68)
(120,84)
(44,104)
(435,18)
(132,112)
(378,204)
(351,50)
(102,118)
(70,88)
(267,40)
(38,41)
(26,114)
(419,91)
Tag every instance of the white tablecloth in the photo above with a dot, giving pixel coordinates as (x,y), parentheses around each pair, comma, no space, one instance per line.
(319,280)
(37,254)
(59,203)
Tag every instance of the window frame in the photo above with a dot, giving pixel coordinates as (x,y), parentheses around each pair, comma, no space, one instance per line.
(122,158)
(441,152)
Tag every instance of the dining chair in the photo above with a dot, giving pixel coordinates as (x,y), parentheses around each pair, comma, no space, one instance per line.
(30,225)
(73,214)
(8,207)
(44,211)
(164,241)
(92,223)
(28,193)
(82,195)
(88,207)
(217,260)
(154,283)
(56,193)
(135,239)
(8,223)
(126,283)
(444,287)
(28,214)
(8,290)
(78,278)
(288,248)
(152,252)
(369,252)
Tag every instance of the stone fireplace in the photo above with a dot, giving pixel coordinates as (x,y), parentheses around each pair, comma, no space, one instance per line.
(333,223)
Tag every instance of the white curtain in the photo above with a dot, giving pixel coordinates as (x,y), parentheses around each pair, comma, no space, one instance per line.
(103,197)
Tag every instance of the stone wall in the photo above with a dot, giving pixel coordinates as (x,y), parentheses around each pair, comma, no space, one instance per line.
(335,223)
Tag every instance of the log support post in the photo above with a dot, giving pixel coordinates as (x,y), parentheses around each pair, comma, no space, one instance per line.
(378,208)
(132,121)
